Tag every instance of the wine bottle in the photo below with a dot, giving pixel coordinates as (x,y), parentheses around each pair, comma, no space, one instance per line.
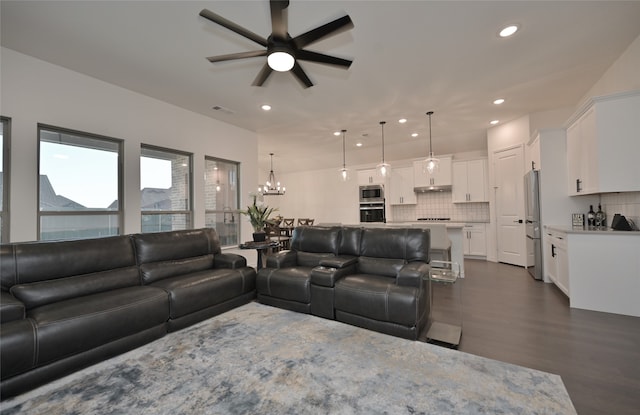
(601,221)
(591,217)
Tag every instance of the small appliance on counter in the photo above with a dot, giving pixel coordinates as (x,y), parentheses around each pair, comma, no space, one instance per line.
(620,223)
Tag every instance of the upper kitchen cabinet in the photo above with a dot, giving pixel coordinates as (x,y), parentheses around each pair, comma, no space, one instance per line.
(441,177)
(603,143)
(470,181)
(370,176)
(401,187)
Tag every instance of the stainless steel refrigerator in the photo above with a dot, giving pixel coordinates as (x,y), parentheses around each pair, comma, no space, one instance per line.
(532,221)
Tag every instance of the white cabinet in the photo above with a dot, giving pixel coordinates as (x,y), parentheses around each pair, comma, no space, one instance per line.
(474,240)
(370,176)
(401,187)
(602,146)
(441,177)
(470,181)
(556,265)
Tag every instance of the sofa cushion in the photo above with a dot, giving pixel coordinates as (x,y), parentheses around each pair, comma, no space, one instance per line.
(79,324)
(18,347)
(10,308)
(46,261)
(174,245)
(387,267)
(194,292)
(285,283)
(377,297)
(316,239)
(46,292)
(156,271)
(350,241)
(410,244)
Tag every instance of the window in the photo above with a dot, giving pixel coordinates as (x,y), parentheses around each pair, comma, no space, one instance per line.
(165,189)
(5,141)
(222,199)
(80,189)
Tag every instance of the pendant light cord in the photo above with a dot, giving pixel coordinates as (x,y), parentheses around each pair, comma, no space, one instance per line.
(430,113)
(344,162)
(382,123)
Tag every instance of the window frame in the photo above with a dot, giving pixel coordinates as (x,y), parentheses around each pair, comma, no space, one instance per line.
(119,212)
(189,211)
(235,211)
(5,217)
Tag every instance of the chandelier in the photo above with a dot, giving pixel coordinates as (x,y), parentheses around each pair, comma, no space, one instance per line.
(272,187)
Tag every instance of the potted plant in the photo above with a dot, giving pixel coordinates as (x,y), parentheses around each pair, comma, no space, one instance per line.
(258,214)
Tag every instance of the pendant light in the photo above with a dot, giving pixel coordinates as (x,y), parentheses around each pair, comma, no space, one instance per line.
(272,187)
(344,172)
(383,168)
(432,164)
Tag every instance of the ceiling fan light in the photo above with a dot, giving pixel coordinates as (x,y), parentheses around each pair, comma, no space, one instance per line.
(280,61)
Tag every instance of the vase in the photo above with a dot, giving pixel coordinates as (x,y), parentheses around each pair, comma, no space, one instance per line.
(259,236)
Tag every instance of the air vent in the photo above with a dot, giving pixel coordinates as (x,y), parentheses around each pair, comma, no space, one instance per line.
(223,109)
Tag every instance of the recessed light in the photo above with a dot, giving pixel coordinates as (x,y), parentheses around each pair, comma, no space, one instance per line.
(414,134)
(266,107)
(494,122)
(402,120)
(358,144)
(336,133)
(508,31)
(499,101)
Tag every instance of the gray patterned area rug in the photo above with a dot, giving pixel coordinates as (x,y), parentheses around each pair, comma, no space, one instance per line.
(258,359)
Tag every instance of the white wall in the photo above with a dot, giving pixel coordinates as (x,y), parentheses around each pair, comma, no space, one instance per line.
(33,91)
(622,75)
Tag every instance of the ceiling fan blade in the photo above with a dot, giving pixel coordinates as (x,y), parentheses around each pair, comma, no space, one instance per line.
(307,55)
(331,28)
(263,75)
(234,56)
(302,77)
(279,25)
(217,19)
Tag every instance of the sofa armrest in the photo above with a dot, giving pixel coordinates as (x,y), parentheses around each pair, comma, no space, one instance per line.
(339,261)
(232,261)
(412,274)
(327,276)
(282,259)
(11,308)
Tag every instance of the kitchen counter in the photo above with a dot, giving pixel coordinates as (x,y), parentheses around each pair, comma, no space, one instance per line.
(580,230)
(603,268)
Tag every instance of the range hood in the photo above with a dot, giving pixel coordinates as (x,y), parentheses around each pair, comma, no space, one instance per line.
(425,189)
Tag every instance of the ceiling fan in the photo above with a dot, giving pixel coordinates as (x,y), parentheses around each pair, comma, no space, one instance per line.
(283,52)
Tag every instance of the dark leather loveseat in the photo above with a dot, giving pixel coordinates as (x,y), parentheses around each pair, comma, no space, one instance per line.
(369,277)
(67,305)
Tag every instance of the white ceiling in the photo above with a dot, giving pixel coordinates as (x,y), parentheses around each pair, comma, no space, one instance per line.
(409,57)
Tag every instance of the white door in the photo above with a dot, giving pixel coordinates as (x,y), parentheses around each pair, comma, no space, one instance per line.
(511,237)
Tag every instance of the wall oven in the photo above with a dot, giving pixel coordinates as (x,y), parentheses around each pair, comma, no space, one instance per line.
(372,212)
(372,194)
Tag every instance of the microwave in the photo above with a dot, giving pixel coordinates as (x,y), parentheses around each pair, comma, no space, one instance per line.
(372,193)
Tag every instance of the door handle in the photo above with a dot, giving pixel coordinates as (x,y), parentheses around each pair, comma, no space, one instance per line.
(553,250)
(518,221)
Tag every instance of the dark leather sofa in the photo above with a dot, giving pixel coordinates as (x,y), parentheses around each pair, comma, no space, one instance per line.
(67,305)
(369,277)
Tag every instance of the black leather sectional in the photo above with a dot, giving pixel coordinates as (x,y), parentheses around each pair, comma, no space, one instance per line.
(67,305)
(374,278)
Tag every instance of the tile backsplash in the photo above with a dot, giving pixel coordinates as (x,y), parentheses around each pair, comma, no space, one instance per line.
(438,204)
(625,203)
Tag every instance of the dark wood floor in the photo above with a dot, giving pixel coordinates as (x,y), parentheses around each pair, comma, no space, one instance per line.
(508,316)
